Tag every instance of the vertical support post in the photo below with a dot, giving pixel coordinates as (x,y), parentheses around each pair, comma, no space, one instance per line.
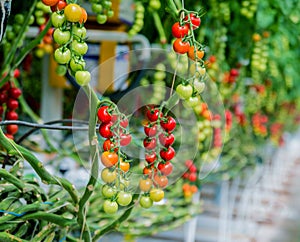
(191,226)
(52,98)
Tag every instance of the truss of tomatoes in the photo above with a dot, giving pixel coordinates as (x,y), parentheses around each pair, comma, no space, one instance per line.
(158,155)
(185,42)
(9,95)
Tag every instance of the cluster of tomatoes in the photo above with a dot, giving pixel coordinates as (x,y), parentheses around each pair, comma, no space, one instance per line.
(9,95)
(113,129)
(185,42)
(217,140)
(259,122)
(190,178)
(70,34)
(249,8)
(103,9)
(231,76)
(158,153)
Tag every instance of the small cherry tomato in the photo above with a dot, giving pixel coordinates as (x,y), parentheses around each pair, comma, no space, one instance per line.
(14,92)
(124,122)
(61,37)
(149,171)
(11,115)
(150,130)
(195,54)
(83,77)
(161,181)
(149,143)
(12,129)
(146,202)
(124,198)
(110,207)
(125,139)
(73,12)
(12,104)
(167,154)
(184,91)
(153,114)
(124,166)
(109,159)
(181,47)
(103,114)
(169,124)
(165,168)
(83,17)
(79,47)
(50,2)
(145,184)
(59,6)
(62,56)
(166,139)
(108,145)
(57,19)
(193,177)
(150,157)
(108,191)
(108,176)
(180,31)
(105,130)
(156,194)
(196,21)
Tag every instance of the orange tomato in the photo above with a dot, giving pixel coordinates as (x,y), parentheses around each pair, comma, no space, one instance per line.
(84,16)
(50,2)
(109,159)
(191,53)
(145,184)
(124,166)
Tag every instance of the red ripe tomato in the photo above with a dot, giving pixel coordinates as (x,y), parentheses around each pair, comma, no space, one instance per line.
(166,139)
(149,143)
(3,97)
(17,73)
(12,129)
(109,159)
(124,122)
(9,136)
(180,46)
(196,21)
(193,168)
(165,168)
(103,114)
(168,124)
(105,130)
(108,145)
(151,157)
(50,2)
(150,130)
(185,175)
(59,6)
(125,139)
(179,31)
(11,115)
(14,93)
(6,86)
(193,177)
(167,154)
(12,104)
(161,181)
(153,114)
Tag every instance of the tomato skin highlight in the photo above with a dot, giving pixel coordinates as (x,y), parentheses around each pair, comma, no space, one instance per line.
(179,31)
(181,47)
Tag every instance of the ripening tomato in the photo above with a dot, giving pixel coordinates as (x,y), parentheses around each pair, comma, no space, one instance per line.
(124,122)
(179,31)
(180,46)
(83,17)
(50,2)
(156,194)
(165,168)
(166,139)
(105,130)
(73,12)
(167,154)
(161,181)
(108,145)
(193,177)
(61,4)
(109,159)
(149,171)
(124,166)
(195,20)
(195,54)
(103,114)
(168,124)
(145,184)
